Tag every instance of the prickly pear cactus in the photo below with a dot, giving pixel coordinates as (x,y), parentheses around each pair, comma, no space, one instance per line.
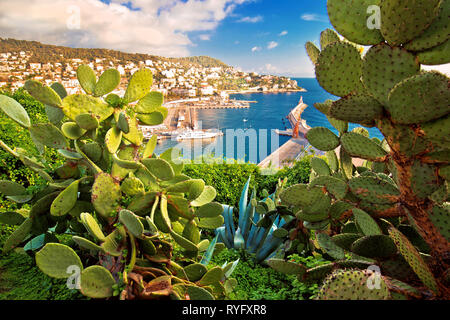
(391,212)
(126,208)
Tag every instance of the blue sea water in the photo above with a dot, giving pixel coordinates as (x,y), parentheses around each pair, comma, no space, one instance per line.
(268,113)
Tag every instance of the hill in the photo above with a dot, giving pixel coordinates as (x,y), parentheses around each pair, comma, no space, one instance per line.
(44,53)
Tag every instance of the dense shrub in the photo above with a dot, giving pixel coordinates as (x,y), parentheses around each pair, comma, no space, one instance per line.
(13,135)
(257,282)
(227,178)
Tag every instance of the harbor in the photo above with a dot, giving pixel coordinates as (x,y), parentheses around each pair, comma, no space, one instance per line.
(182,122)
(292,149)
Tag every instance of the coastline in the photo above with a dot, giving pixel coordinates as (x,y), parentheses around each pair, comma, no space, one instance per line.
(230,92)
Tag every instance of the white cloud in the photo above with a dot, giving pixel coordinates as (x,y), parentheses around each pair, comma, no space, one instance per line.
(272,45)
(270,68)
(205,37)
(255,49)
(157,27)
(313,17)
(283,33)
(251,19)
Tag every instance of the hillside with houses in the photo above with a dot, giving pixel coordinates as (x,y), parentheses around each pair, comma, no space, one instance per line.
(22,60)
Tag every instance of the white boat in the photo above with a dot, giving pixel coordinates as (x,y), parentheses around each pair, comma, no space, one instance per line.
(198,134)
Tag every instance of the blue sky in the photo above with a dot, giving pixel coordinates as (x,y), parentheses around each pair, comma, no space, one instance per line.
(265,36)
(232,41)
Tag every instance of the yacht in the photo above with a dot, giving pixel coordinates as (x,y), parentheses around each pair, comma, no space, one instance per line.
(198,134)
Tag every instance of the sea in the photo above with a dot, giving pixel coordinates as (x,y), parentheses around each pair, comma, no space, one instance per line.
(249,133)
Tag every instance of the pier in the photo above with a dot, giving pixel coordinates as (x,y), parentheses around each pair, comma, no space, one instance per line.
(288,152)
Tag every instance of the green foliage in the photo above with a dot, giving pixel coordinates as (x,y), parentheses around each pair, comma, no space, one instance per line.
(257,282)
(355,217)
(228,179)
(12,168)
(83,198)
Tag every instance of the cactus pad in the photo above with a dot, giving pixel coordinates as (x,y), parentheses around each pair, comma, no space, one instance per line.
(150,103)
(87,78)
(412,256)
(87,121)
(131,222)
(419,99)
(77,104)
(72,131)
(322,138)
(160,168)
(183,242)
(212,276)
(86,244)
(374,246)
(18,235)
(96,282)
(114,241)
(327,37)
(324,107)
(338,69)
(65,201)
(195,271)
(105,195)
(92,226)
(107,82)
(437,133)
(132,186)
(211,223)
(113,139)
(352,285)
(356,108)
(139,85)
(287,267)
(437,55)
(329,246)
(300,195)
(374,190)
(49,135)
(350,19)
(424,180)
(15,111)
(338,208)
(359,146)
(44,94)
(198,293)
(320,167)
(55,259)
(11,188)
(436,34)
(380,77)
(404,20)
(366,223)
(208,195)
(345,240)
(209,210)
(312,51)
(334,186)
(440,217)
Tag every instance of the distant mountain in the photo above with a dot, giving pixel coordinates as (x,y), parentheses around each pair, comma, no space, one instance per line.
(44,53)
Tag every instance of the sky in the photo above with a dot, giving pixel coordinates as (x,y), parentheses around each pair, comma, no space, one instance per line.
(264,36)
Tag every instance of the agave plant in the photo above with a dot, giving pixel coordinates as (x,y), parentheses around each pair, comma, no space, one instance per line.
(125,208)
(259,230)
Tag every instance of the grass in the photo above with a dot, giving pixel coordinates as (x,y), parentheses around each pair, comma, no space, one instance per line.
(21,279)
(258,282)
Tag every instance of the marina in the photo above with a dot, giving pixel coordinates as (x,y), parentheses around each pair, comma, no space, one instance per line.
(296,145)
